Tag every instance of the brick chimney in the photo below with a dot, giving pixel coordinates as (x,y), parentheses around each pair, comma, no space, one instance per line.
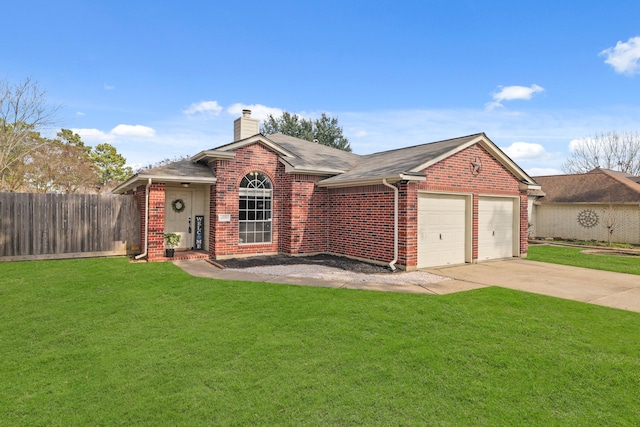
(245,126)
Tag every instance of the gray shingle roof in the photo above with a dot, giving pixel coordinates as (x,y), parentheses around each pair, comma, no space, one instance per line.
(310,155)
(596,186)
(182,168)
(393,163)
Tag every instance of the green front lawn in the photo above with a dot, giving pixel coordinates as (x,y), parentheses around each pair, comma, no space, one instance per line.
(104,342)
(574,256)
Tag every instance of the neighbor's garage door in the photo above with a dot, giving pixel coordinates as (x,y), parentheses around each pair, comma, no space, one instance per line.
(495,227)
(441,229)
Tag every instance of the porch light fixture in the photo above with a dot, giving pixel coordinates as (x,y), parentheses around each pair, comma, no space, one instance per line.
(185,184)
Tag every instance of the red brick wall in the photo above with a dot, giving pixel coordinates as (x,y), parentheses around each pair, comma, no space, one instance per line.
(305,215)
(361,222)
(408,224)
(155,250)
(229,173)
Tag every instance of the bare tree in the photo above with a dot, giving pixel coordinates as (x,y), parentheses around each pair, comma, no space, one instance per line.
(609,150)
(23,111)
(611,220)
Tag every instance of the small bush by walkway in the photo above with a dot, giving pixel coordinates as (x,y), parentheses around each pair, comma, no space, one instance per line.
(104,342)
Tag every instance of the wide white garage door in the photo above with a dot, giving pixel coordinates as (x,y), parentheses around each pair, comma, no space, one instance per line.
(441,229)
(495,228)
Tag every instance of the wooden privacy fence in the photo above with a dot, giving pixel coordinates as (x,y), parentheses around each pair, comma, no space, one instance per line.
(40,226)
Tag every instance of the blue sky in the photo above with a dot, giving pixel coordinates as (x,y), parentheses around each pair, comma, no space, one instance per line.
(159,79)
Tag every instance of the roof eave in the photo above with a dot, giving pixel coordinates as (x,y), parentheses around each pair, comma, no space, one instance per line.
(142,179)
(213,155)
(372,181)
(525,186)
(308,169)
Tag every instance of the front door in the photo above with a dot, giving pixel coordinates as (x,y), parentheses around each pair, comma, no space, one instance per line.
(179,216)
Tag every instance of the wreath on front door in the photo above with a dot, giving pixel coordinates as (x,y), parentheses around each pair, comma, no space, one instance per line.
(178,205)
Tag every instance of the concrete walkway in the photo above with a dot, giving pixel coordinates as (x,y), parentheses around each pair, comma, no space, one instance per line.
(616,290)
(201,268)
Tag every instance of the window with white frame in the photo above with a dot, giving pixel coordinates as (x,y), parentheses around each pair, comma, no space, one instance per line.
(255,208)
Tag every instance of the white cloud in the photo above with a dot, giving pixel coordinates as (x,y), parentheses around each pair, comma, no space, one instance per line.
(79,113)
(204,107)
(526,151)
(258,111)
(576,144)
(624,57)
(137,131)
(93,136)
(96,136)
(510,93)
(109,87)
(361,134)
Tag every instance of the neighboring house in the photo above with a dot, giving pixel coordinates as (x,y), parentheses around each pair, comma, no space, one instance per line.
(587,206)
(456,201)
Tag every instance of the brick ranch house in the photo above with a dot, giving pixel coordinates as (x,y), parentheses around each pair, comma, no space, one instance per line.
(456,201)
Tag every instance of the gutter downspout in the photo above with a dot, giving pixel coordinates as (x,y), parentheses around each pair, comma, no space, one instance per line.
(395,223)
(146,221)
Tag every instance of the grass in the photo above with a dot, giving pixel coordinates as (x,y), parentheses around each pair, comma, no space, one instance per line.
(574,256)
(106,342)
(596,243)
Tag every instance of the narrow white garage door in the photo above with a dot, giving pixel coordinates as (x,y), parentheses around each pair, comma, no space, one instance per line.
(441,229)
(495,228)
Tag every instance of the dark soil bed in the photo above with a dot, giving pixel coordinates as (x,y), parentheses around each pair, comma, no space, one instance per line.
(327,260)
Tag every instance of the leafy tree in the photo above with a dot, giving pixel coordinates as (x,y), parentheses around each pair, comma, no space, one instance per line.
(66,165)
(23,112)
(609,150)
(328,132)
(110,165)
(61,166)
(324,130)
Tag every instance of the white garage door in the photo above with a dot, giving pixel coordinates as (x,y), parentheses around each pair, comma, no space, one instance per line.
(495,228)
(441,229)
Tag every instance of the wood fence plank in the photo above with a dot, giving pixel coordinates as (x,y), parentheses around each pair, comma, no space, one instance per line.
(39,226)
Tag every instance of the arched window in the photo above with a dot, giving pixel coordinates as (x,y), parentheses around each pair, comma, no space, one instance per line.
(255,208)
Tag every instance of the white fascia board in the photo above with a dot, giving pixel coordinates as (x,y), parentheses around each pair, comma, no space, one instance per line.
(138,180)
(289,168)
(127,185)
(372,181)
(212,155)
(527,186)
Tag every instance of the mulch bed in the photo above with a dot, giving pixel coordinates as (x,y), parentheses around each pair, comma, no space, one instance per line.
(326,260)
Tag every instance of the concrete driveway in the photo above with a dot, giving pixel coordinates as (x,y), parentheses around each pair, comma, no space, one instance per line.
(605,288)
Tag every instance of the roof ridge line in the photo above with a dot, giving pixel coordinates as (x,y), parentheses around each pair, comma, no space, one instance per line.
(426,143)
